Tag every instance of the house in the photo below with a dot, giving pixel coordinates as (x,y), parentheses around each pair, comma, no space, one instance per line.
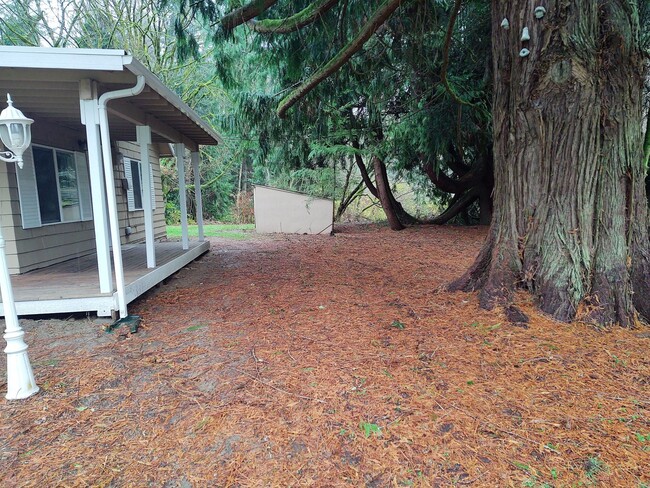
(83,219)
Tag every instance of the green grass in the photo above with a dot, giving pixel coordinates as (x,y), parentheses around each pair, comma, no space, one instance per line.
(227,231)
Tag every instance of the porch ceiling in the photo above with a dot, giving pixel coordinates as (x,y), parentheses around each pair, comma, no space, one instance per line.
(50,91)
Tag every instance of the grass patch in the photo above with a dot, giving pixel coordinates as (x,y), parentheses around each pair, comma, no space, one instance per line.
(227,231)
(192,328)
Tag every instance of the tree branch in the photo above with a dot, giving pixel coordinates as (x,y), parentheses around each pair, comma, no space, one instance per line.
(245,13)
(445,58)
(646,143)
(364,171)
(458,204)
(295,22)
(354,194)
(383,189)
(448,184)
(456,163)
(343,56)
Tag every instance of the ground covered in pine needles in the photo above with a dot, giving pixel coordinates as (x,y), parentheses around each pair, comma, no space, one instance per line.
(330,361)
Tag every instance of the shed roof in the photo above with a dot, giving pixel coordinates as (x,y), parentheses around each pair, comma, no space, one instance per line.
(45,83)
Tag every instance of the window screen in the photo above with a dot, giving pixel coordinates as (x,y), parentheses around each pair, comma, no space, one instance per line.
(68,186)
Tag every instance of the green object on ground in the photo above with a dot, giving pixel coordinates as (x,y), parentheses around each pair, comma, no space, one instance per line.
(131,321)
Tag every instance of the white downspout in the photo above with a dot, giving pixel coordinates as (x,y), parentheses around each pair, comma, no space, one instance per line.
(110,186)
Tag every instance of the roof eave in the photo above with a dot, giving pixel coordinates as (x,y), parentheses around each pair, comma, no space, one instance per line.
(97,60)
(151,80)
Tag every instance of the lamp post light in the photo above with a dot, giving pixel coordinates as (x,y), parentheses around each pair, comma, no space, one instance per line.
(15,133)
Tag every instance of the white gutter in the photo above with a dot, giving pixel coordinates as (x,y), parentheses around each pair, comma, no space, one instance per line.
(110,180)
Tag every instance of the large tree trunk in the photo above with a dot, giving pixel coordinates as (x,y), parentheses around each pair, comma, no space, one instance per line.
(385,194)
(395,213)
(570,219)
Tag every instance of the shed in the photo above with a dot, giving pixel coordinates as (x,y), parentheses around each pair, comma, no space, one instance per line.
(290,212)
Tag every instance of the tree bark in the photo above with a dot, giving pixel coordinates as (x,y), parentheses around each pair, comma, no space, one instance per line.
(397,210)
(385,195)
(245,13)
(474,183)
(364,171)
(646,156)
(297,21)
(568,169)
(459,204)
(646,142)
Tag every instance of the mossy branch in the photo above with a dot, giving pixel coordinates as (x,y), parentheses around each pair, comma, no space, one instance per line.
(646,144)
(295,22)
(245,13)
(343,56)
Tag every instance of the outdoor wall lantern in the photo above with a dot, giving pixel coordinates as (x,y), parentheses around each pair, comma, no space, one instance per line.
(15,134)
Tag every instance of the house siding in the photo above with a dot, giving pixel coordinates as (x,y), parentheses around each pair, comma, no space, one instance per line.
(9,208)
(135,219)
(29,249)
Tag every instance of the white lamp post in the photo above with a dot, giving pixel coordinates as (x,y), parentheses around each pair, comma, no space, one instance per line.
(15,133)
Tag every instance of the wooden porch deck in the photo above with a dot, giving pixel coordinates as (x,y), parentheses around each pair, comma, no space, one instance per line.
(73,286)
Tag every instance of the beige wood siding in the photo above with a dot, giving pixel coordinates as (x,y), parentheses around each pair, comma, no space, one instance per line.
(135,219)
(29,249)
(9,208)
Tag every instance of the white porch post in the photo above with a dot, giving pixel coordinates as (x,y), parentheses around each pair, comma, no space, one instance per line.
(179,151)
(144,139)
(197,193)
(88,102)
(109,177)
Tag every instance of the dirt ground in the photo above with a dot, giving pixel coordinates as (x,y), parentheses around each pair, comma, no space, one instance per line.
(330,361)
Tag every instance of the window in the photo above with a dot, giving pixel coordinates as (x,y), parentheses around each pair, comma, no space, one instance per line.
(54,187)
(68,187)
(46,186)
(134,175)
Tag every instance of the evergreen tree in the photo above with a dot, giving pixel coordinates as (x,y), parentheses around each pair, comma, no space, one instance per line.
(570,217)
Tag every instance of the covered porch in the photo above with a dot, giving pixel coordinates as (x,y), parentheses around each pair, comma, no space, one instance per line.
(87,103)
(72,286)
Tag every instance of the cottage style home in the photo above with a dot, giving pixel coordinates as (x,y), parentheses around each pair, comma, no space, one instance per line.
(83,219)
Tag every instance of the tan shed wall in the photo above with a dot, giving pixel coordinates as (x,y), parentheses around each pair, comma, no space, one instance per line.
(291,213)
